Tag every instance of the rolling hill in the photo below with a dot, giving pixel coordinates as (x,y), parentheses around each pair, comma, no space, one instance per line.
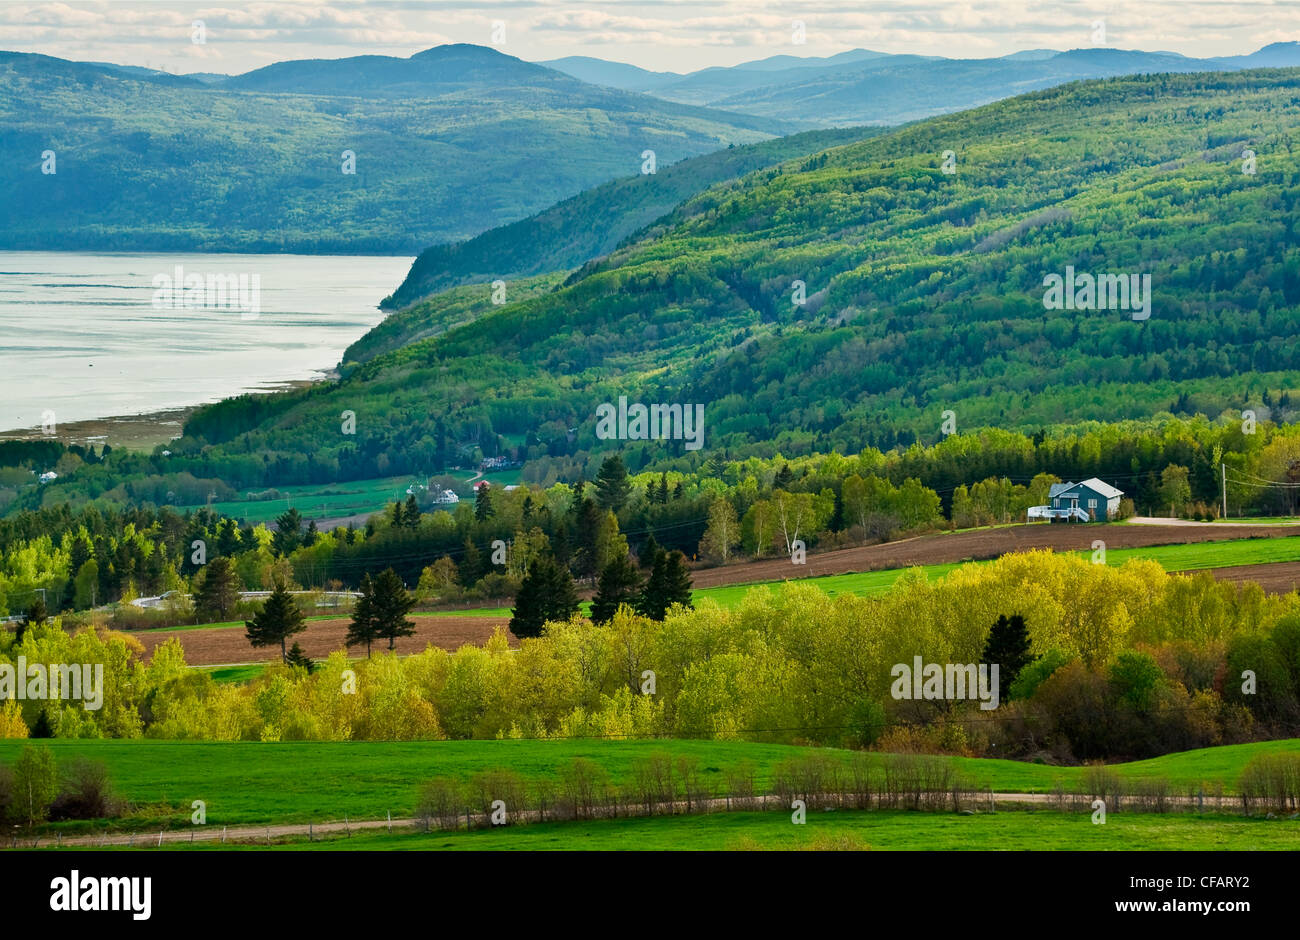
(564,236)
(447,143)
(924,293)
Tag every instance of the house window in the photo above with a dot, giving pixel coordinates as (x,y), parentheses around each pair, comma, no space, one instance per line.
(1092,504)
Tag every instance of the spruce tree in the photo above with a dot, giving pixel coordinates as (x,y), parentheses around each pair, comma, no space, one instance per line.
(669,583)
(650,552)
(278,620)
(546,593)
(412,515)
(37,614)
(362,629)
(1008,647)
(612,485)
(288,533)
(620,583)
(471,564)
(391,603)
(483,510)
(218,590)
(298,658)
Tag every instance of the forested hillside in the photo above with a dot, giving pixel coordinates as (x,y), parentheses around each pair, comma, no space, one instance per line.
(594,222)
(925,293)
(447,143)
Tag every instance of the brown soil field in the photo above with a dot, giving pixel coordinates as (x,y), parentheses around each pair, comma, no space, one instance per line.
(1281,577)
(983,544)
(322,637)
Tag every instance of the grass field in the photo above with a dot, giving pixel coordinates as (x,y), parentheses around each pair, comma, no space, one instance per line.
(1039,830)
(255,782)
(337,499)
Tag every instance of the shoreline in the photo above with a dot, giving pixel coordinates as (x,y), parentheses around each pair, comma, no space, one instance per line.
(146,430)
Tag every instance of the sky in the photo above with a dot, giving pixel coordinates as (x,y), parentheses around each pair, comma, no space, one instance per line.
(669,35)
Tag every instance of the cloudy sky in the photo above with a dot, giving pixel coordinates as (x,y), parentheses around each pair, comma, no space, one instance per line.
(674,35)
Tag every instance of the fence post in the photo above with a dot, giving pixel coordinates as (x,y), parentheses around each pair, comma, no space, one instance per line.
(223,835)
(390,822)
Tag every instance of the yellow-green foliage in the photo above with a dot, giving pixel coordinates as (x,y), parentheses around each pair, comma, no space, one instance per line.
(788,664)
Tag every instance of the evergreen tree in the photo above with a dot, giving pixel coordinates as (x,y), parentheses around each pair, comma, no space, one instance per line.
(837,514)
(298,658)
(391,603)
(278,620)
(650,552)
(1008,647)
(471,564)
(412,515)
(288,533)
(620,583)
(612,484)
(312,535)
(363,629)
(784,477)
(218,590)
(662,495)
(546,593)
(669,583)
(36,613)
(396,515)
(483,510)
(589,526)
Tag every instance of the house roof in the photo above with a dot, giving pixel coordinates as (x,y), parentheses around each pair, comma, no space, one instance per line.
(1105,489)
(1092,483)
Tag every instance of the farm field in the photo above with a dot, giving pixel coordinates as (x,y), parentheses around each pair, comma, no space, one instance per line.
(1273,562)
(227,645)
(1190,547)
(1260,554)
(298,782)
(356,498)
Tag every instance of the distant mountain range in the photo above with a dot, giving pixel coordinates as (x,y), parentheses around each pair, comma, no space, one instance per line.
(865,87)
(447,144)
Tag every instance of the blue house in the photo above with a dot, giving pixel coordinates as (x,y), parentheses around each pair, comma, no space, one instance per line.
(1100,501)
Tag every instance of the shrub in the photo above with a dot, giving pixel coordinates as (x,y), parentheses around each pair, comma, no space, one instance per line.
(87,793)
(439,803)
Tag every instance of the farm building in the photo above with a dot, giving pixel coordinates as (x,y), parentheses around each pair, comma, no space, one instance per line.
(1092,500)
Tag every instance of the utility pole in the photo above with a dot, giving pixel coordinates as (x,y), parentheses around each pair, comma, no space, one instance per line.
(1224,468)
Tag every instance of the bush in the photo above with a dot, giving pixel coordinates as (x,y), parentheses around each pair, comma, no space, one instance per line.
(1271,781)
(439,804)
(86,794)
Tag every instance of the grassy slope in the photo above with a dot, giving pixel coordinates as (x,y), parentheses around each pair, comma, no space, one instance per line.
(1005,831)
(254,782)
